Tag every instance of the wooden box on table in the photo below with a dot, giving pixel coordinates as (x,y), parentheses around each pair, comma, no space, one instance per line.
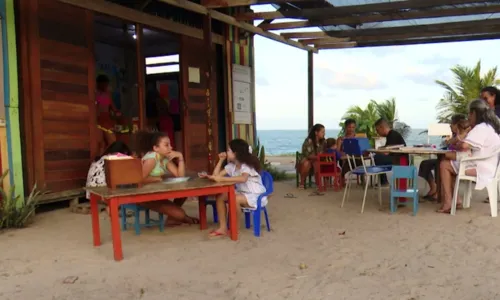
(123,172)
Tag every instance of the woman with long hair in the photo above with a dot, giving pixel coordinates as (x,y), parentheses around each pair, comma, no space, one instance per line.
(483,140)
(313,145)
(491,95)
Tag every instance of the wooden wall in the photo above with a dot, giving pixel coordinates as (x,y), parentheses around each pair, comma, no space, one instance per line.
(239,50)
(57,75)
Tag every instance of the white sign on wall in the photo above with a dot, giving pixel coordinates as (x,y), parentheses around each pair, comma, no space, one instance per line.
(242,94)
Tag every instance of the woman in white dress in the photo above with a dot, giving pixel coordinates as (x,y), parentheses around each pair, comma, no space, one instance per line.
(482,140)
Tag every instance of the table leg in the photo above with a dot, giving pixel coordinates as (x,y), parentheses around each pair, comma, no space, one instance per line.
(94,210)
(403,183)
(115,229)
(233,224)
(202,210)
(438,177)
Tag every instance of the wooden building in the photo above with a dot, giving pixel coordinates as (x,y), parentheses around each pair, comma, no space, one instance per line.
(51,127)
(58,49)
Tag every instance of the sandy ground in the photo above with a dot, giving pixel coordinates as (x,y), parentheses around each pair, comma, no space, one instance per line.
(285,163)
(343,254)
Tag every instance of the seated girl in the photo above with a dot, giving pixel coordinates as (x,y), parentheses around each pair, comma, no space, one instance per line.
(243,170)
(96,176)
(483,140)
(158,162)
(313,145)
(463,128)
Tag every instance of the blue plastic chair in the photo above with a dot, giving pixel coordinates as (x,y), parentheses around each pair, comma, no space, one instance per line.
(255,213)
(137,224)
(409,173)
(354,150)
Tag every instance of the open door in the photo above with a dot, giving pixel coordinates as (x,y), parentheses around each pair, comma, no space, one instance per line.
(194,98)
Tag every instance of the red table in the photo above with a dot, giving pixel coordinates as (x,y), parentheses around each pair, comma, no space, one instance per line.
(156,192)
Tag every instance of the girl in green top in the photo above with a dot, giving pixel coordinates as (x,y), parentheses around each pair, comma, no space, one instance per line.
(158,162)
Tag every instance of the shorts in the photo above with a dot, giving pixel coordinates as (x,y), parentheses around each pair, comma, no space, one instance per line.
(455,164)
(252,199)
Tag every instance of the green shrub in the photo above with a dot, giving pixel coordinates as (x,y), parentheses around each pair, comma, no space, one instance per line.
(13,212)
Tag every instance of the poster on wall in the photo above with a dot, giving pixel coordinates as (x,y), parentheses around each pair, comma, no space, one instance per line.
(242,94)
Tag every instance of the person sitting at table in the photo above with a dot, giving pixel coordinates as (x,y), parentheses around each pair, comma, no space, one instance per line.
(159,161)
(243,169)
(313,145)
(429,165)
(392,138)
(96,177)
(491,95)
(483,140)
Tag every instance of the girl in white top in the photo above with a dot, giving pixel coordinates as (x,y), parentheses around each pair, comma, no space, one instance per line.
(243,170)
(482,140)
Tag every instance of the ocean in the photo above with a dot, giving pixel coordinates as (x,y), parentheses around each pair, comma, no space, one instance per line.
(286,142)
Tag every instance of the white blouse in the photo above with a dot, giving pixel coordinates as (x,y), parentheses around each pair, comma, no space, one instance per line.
(254,183)
(484,141)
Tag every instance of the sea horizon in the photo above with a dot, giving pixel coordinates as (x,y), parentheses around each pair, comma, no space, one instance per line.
(285,142)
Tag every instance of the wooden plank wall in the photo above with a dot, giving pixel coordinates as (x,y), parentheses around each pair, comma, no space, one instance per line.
(58,98)
(239,51)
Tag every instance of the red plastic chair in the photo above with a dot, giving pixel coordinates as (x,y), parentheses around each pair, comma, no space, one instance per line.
(327,169)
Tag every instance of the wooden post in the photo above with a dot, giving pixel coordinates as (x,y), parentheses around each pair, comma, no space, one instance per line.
(310,90)
(209,53)
(141,70)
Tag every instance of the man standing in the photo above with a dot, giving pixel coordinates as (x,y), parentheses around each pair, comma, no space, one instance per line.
(393,138)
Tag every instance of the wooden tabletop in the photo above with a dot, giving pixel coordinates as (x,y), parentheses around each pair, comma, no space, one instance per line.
(160,187)
(410,150)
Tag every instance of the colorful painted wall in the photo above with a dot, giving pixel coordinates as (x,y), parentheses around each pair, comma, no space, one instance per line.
(240,50)
(11,97)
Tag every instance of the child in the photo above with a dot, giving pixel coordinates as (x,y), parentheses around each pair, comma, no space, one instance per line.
(96,176)
(331,148)
(243,170)
(104,107)
(157,163)
(463,128)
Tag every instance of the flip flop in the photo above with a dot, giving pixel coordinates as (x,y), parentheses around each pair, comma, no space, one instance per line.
(444,211)
(193,221)
(215,233)
(316,193)
(289,195)
(301,187)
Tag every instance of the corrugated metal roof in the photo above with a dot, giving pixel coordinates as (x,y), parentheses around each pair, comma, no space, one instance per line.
(413,22)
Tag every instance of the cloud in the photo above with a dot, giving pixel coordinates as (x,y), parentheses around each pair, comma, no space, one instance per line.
(349,80)
(440,60)
(262,81)
(426,75)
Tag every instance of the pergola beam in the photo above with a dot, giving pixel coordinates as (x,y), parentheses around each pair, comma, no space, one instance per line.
(338,45)
(233,3)
(345,11)
(417,35)
(324,41)
(395,30)
(461,38)
(405,15)
(188,5)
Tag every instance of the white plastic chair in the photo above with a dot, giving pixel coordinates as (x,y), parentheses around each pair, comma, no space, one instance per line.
(492,187)
(368,171)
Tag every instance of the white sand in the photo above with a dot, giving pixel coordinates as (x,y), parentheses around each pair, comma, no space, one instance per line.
(381,256)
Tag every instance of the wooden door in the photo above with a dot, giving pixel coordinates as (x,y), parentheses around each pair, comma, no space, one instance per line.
(194,96)
(57,77)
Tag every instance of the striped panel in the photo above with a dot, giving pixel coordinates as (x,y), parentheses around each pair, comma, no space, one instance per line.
(241,52)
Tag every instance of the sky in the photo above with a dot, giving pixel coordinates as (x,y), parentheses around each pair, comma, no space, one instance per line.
(347,77)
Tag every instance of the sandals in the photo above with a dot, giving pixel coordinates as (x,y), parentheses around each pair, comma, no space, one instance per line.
(289,195)
(448,211)
(215,233)
(301,187)
(192,221)
(430,197)
(316,193)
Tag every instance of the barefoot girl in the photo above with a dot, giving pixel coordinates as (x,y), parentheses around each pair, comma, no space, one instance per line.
(158,162)
(243,170)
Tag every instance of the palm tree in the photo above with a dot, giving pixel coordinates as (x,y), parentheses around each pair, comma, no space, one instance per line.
(366,118)
(387,110)
(466,87)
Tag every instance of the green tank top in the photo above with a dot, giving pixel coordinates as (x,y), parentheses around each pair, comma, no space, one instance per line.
(160,168)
